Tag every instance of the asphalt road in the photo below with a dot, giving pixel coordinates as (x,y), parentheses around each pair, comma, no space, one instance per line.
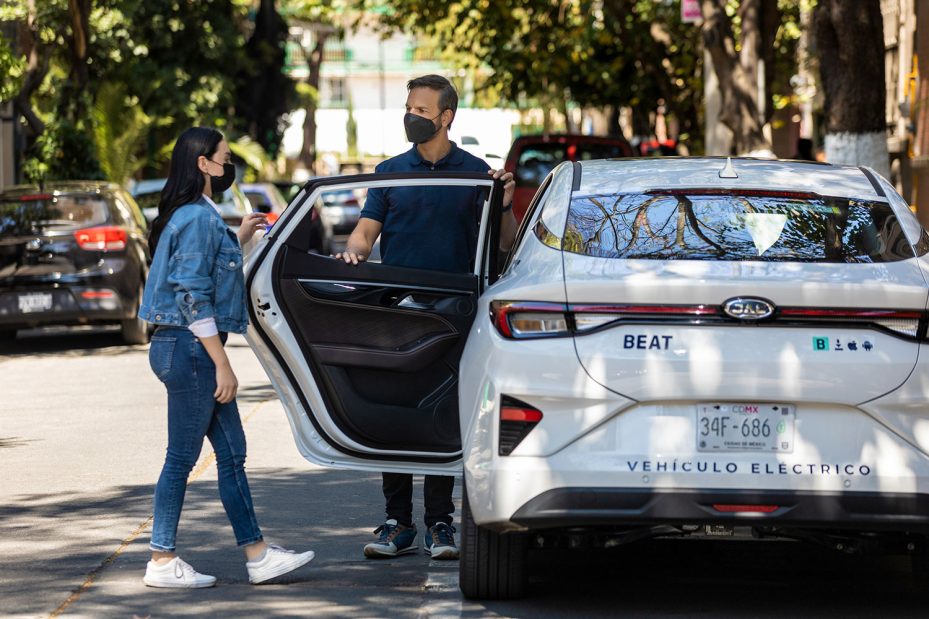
(82,438)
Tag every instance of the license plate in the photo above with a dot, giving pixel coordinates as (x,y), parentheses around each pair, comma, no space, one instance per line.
(745,427)
(35,302)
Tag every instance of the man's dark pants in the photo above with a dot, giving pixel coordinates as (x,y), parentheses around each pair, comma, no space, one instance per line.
(437,496)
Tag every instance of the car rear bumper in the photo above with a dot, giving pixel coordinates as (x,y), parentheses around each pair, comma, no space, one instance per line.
(63,305)
(601,506)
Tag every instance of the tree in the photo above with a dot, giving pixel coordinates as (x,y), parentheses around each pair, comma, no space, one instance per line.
(607,53)
(324,19)
(736,62)
(264,92)
(849,39)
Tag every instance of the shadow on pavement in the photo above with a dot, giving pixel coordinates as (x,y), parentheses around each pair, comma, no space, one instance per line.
(333,513)
(67,342)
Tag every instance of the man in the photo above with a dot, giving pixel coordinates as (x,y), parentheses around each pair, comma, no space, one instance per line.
(429,228)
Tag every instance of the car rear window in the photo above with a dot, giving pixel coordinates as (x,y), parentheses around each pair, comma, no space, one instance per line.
(697,226)
(535,162)
(26,214)
(601,151)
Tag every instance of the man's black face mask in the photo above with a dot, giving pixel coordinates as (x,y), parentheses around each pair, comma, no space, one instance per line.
(419,129)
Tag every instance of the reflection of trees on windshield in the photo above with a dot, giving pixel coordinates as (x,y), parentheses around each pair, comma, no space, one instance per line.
(732,227)
(27,217)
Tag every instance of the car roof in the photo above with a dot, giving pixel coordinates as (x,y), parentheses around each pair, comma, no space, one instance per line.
(551,138)
(261,186)
(148,185)
(642,174)
(61,187)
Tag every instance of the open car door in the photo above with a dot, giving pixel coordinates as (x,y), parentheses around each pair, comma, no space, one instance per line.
(365,358)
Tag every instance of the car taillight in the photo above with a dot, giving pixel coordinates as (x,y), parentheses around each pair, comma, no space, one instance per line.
(590,317)
(529,320)
(516,421)
(102,238)
(526,320)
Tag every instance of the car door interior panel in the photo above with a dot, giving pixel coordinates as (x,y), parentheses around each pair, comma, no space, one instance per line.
(384,343)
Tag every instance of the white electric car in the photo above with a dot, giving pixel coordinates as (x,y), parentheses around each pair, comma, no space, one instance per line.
(689,347)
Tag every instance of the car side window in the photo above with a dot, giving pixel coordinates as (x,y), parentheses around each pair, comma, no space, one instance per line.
(131,211)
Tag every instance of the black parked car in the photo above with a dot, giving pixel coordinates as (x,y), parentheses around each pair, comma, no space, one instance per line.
(72,253)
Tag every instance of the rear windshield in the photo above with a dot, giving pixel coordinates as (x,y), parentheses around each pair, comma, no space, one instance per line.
(29,214)
(693,226)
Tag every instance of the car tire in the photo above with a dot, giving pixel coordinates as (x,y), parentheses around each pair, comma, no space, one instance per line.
(492,566)
(135,330)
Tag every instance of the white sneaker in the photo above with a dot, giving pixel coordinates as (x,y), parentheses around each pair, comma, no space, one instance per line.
(275,562)
(176,574)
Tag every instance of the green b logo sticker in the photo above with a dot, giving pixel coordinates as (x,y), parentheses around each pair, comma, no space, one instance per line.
(820,343)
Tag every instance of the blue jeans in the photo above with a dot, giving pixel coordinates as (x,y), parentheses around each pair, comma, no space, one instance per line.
(181,362)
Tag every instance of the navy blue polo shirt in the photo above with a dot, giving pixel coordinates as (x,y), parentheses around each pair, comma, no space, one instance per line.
(428,227)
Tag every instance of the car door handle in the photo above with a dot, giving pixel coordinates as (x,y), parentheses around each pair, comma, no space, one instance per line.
(408,302)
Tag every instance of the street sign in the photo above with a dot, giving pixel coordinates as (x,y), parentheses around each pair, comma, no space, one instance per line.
(690,11)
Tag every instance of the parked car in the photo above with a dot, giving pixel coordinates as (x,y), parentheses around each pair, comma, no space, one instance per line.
(233,203)
(266,198)
(72,253)
(676,348)
(532,157)
(339,211)
(473,146)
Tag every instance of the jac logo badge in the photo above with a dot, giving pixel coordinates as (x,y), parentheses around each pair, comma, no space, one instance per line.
(747,308)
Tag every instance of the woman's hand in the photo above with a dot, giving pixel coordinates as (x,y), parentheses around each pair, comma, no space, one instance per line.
(226,384)
(250,225)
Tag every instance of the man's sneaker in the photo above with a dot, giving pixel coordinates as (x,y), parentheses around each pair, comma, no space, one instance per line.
(176,574)
(440,541)
(275,562)
(395,539)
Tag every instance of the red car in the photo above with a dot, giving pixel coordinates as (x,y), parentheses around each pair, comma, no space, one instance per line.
(532,157)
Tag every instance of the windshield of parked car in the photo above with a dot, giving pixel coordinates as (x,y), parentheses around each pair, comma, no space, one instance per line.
(690,225)
(27,214)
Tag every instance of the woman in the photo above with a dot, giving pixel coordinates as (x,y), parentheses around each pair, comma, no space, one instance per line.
(195,294)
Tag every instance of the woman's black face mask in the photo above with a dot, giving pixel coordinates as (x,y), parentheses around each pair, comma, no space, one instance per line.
(420,129)
(220,184)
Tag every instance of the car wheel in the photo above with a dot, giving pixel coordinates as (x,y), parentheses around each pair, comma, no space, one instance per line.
(492,566)
(135,330)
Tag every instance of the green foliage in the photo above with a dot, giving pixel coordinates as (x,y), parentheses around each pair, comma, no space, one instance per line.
(592,53)
(120,129)
(254,156)
(180,59)
(11,71)
(64,152)
(351,131)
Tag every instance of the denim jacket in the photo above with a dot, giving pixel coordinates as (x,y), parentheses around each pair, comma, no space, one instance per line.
(196,272)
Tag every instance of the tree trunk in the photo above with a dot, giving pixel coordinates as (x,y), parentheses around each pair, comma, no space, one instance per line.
(263,88)
(850,43)
(313,62)
(36,69)
(73,95)
(737,71)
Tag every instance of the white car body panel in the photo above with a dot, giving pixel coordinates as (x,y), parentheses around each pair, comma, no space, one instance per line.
(308,440)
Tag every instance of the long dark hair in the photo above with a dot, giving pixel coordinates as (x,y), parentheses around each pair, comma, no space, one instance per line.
(185,181)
